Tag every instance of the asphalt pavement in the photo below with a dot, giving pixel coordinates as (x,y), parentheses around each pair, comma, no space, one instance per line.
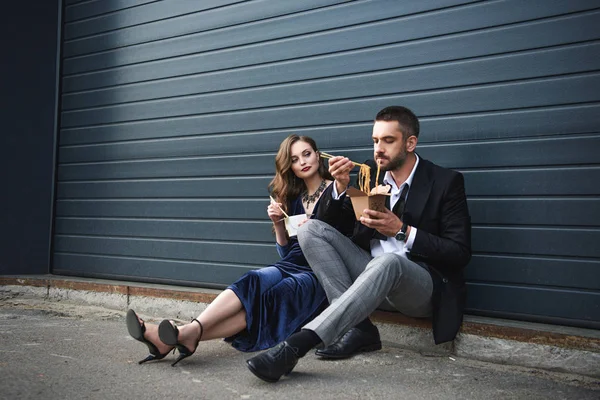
(62,351)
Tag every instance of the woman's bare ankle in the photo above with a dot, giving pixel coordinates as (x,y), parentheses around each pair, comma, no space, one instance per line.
(151,334)
(188,335)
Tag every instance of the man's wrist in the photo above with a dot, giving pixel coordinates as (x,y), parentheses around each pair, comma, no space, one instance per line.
(340,187)
(402,234)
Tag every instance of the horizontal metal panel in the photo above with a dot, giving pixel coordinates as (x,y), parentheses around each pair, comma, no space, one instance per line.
(402,55)
(224,144)
(258,26)
(526,152)
(135,269)
(452,156)
(192,167)
(510,240)
(575,181)
(464,73)
(547,121)
(246,187)
(508,124)
(535,93)
(167,19)
(168,228)
(554,272)
(200,208)
(222,252)
(538,182)
(554,152)
(94,8)
(507,182)
(565,242)
(536,211)
(120,14)
(574,305)
(345,137)
(514,212)
(382,33)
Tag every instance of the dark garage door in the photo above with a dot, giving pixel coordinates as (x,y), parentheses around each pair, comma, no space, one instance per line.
(172,112)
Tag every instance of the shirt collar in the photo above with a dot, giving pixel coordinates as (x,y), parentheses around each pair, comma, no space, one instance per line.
(388,180)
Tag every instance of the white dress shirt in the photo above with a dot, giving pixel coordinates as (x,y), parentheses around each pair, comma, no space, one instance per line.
(391,245)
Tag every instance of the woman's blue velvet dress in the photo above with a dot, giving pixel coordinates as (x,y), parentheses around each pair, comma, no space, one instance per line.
(278,299)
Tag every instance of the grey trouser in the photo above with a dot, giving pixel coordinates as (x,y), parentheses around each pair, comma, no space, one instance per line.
(356,283)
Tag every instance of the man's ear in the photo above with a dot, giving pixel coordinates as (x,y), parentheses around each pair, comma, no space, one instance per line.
(411,143)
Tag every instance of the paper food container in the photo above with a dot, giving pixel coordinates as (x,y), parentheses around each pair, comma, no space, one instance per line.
(361,200)
(293,222)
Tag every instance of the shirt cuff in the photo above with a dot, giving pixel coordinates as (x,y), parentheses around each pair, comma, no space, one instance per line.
(334,192)
(411,238)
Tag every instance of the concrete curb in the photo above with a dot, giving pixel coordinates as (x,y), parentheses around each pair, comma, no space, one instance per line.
(559,349)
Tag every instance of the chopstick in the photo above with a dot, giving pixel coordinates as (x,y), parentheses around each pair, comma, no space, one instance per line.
(325,155)
(273,200)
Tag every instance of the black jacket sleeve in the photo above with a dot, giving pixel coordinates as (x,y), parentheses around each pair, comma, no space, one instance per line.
(336,212)
(449,250)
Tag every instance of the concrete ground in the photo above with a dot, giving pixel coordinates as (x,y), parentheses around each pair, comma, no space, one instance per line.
(57,350)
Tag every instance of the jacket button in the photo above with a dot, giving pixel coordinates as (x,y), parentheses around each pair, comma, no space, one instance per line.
(445,280)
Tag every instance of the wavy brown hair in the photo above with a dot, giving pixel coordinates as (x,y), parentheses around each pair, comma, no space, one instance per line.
(286,185)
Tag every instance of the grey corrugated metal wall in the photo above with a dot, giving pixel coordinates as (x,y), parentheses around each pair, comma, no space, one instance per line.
(172,112)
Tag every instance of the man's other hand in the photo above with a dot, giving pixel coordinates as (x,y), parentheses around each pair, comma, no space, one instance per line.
(387,223)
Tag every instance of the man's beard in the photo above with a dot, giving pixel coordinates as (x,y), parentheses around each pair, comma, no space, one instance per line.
(396,162)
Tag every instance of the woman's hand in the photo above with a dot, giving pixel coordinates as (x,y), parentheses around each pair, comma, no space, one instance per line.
(305,220)
(274,212)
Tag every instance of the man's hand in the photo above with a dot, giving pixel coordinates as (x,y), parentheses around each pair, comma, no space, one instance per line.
(339,168)
(387,223)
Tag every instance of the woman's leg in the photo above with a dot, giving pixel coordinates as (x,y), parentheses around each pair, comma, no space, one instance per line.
(226,315)
(222,317)
(229,327)
(225,305)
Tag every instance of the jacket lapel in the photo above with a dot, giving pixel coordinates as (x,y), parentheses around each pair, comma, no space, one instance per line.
(419,193)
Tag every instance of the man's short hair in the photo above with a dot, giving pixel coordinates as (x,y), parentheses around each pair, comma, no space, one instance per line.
(408,121)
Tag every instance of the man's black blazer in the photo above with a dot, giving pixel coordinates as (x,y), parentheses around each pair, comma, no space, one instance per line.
(437,206)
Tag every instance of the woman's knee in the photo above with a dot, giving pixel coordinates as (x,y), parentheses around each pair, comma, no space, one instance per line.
(265,272)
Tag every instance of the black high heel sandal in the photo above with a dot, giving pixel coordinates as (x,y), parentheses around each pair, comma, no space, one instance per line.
(136,330)
(169,334)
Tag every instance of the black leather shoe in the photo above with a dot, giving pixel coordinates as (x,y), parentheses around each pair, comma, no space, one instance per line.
(353,342)
(272,364)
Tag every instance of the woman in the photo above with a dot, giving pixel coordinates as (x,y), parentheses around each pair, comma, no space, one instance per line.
(264,306)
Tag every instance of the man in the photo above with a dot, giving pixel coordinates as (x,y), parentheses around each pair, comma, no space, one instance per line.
(411,256)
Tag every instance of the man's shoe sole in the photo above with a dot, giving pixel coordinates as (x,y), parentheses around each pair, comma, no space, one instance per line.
(365,349)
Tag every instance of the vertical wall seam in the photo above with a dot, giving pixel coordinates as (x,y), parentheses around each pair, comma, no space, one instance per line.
(57,111)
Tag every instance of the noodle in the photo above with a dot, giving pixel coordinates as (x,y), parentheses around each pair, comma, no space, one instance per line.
(377,178)
(364,175)
(364,178)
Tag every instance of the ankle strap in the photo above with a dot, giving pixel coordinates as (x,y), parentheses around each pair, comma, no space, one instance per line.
(201,328)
